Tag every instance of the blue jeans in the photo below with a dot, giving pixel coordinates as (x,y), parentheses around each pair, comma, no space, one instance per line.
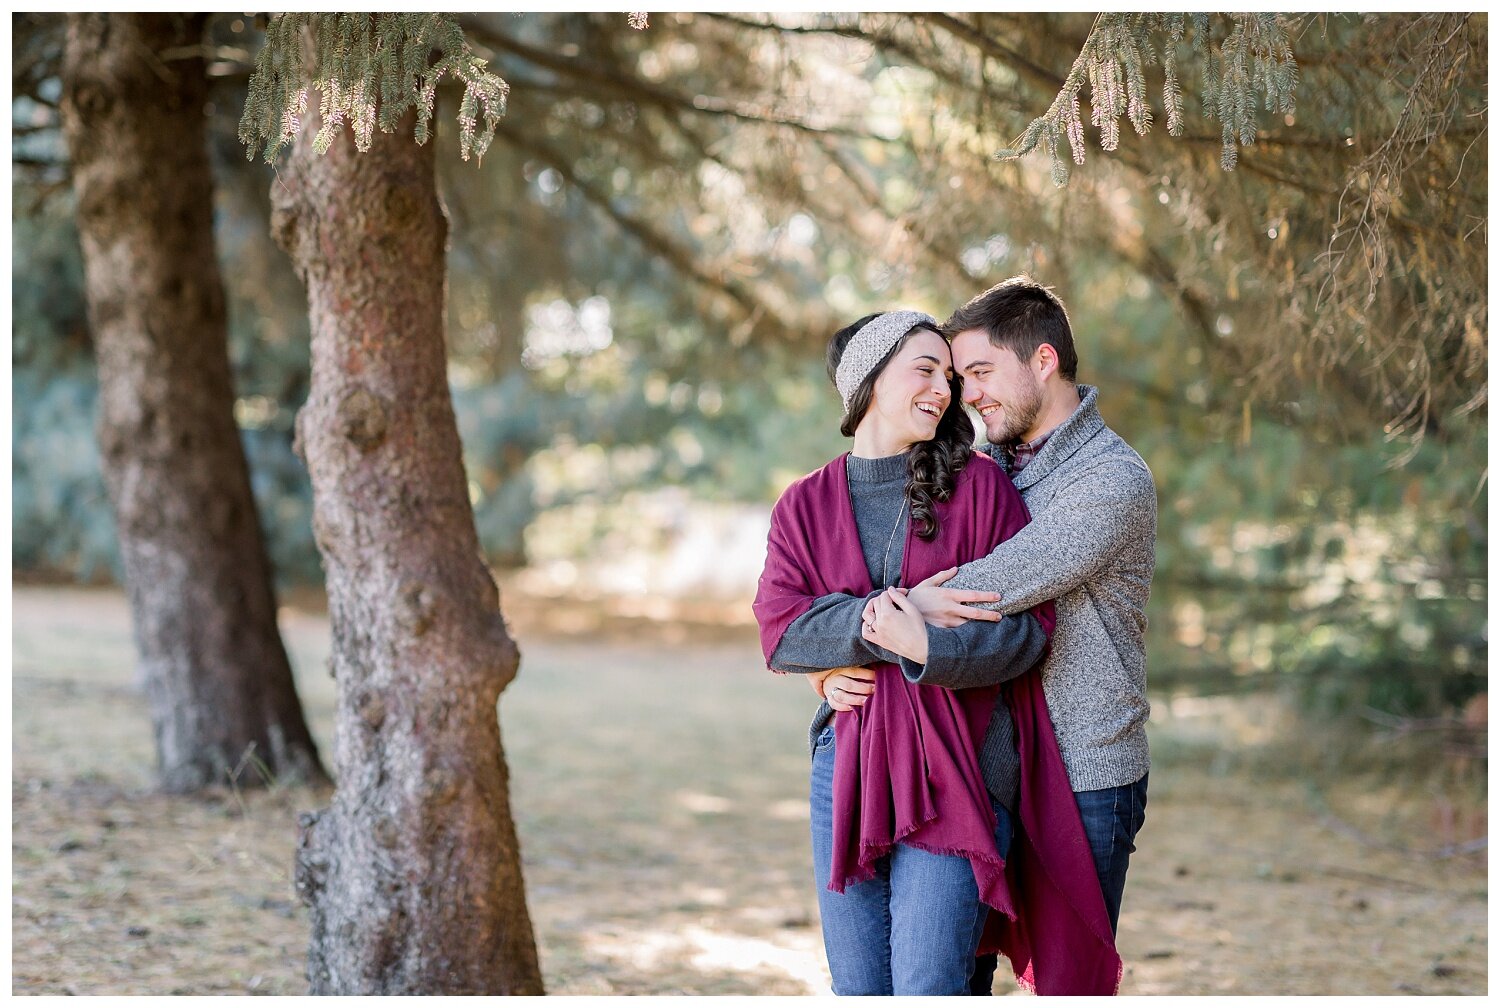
(1111,819)
(914,927)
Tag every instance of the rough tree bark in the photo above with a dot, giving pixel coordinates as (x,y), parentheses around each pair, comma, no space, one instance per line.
(196,571)
(413,873)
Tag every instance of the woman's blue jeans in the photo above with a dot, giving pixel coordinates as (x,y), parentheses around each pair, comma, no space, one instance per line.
(914,927)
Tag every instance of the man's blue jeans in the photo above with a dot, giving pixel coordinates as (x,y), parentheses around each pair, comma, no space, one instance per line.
(914,927)
(1111,818)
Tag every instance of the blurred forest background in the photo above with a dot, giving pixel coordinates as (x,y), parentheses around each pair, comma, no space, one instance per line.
(647,261)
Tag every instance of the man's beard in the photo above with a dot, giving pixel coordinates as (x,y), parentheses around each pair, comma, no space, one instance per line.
(1020,413)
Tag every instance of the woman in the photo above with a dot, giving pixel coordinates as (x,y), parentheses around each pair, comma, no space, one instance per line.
(912,777)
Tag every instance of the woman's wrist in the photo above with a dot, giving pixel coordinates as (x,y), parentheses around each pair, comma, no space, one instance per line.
(913,647)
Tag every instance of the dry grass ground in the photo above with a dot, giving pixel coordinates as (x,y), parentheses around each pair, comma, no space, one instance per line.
(659,789)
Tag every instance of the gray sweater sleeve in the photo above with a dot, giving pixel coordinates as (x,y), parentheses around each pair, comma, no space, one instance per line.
(1068,541)
(828,636)
(978,653)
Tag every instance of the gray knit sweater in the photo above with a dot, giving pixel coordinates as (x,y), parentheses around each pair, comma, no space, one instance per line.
(974,654)
(1091,546)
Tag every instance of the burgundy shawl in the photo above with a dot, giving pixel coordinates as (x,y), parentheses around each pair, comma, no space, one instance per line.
(906,766)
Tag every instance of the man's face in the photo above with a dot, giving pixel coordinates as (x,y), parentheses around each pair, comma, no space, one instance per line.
(1004,390)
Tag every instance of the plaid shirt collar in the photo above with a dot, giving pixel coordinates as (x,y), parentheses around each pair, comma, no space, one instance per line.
(1021,454)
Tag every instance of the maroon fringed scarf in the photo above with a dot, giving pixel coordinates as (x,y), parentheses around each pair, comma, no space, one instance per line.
(906,766)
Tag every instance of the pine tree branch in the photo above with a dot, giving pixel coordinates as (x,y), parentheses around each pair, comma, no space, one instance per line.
(1402,223)
(1038,74)
(568,88)
(652,239)
(620,86)
(886,43)
(842,31)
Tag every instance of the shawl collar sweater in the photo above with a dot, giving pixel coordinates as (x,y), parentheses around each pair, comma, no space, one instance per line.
(1091,547)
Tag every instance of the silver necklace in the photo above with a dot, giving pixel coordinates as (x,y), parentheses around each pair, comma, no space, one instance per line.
(885,560)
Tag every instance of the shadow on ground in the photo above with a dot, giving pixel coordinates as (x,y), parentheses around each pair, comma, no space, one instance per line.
(659,791)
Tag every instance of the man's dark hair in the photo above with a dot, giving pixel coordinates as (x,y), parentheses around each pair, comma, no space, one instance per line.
(1020,315)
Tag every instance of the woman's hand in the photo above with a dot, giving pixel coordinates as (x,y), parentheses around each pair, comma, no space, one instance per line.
(892,622)
(848,688)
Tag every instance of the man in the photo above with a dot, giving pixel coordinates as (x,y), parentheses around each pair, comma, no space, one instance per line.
(1090,546)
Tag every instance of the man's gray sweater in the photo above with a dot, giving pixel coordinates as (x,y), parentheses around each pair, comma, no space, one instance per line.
(1091,546)
(974,654)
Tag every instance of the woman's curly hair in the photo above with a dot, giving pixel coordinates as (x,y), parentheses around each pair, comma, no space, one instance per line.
(932,467)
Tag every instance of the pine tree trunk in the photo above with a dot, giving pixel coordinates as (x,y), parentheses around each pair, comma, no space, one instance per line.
(196,571)
(413,873)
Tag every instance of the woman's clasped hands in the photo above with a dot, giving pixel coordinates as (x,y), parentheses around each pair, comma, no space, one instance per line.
(892,622)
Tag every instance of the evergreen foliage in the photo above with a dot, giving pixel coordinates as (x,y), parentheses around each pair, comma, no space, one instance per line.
(1253,59)
(668,173)
(60,518)
(369,69)
(1336,278)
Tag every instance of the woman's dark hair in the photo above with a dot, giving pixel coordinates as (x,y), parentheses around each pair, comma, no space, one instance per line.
(932,467)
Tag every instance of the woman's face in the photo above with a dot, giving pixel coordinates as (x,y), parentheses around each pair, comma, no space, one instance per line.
(913,392)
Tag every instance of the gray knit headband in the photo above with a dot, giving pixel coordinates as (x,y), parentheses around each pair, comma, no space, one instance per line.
(870,344)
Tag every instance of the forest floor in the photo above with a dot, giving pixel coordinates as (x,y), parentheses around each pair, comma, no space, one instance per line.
(659,787)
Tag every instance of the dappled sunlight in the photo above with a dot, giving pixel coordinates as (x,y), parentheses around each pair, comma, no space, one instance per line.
(726,951)
(703,803)
(661,543)
(665,841)
(715,952)
(641,950)
(711,896)
(791,809)
(1229,722)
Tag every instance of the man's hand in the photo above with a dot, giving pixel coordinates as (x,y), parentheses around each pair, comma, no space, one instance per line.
(815,680)
(944,607)
(892,622)
(847,688)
